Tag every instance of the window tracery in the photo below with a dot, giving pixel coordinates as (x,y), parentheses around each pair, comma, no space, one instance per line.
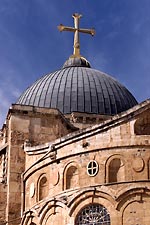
(92,168)
(93,214)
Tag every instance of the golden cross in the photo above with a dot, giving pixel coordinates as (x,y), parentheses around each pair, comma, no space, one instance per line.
(76,31)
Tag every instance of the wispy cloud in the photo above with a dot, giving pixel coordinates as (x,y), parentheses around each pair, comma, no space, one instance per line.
(8,95)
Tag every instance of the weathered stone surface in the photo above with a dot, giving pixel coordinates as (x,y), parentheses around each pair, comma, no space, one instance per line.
(54,170)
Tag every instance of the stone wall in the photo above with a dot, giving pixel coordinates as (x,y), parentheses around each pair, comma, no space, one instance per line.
(27,126)
(107,164)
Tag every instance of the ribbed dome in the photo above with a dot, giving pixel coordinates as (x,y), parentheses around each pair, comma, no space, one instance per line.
(78,88)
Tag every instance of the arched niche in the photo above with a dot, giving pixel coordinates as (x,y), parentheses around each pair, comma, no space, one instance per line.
(54,219)
(115,169)
(55,216)
(142,125)
(42,187)
(71,176)
(134,213)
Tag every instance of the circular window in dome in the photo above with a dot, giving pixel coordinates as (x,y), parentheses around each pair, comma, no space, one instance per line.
(93,214)
(92,168)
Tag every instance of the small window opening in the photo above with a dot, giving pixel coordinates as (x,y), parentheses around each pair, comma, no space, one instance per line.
(92,168)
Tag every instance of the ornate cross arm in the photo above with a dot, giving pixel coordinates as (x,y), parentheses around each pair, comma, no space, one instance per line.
(76,31)
(87,31)
(61,28)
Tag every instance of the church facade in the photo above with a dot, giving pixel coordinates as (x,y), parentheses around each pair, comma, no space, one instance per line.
(75,149)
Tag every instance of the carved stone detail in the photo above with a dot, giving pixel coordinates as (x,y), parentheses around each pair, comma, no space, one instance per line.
(138,164)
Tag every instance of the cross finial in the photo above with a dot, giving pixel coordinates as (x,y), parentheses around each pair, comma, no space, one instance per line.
(76,30)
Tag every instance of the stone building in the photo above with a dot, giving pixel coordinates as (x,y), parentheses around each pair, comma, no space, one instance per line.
(75,149)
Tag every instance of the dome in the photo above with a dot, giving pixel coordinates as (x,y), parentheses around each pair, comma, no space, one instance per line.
(78,88)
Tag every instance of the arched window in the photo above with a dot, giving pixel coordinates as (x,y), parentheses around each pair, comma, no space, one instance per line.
(93,214)
(116,171)
(72,178)
(42,187)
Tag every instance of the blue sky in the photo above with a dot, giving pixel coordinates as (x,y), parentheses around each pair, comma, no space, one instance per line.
(31,45)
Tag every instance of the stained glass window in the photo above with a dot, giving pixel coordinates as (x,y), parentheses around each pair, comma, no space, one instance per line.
(93,214)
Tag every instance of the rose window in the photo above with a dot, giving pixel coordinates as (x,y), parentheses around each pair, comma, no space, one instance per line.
(94,214)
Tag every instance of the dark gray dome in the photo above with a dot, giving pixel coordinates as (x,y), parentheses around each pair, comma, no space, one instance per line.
(78,88)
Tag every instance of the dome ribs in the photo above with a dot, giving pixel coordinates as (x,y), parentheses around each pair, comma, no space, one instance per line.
(79,89)
(44,92)
(59,91)
(125,103)
(125,97)
(41,92)
(53,88)
(120,101)
(29,92)
(95,106)
(46,99)
(74,91)
(83,90)
(67,91)
(33,92)
(80,94)
(131,97)
(50,77)
(22,97)
(106,96)
(88,106)
(71,77)
(113,102)
(101,99)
